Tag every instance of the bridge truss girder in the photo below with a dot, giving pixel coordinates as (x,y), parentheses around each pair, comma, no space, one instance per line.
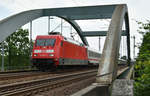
(107,71)
(70,14)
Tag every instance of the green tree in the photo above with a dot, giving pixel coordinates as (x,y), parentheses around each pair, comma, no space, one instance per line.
(142,66)
(17,48)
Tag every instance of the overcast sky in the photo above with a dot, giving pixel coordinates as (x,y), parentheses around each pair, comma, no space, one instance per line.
(138,10)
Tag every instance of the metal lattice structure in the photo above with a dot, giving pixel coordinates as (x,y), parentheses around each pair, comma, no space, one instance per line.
(70,14)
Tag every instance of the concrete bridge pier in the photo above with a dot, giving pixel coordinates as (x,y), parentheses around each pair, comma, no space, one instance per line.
(107,83)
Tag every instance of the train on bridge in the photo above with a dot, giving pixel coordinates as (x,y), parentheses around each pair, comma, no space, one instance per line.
(51,51)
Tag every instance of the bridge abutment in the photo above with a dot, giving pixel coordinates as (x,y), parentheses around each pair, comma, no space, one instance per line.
(120,87)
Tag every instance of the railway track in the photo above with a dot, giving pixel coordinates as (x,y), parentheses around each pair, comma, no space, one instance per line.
(7,76)
(15,71)
(35,86)
(21,77)
(50,81)
(12,75)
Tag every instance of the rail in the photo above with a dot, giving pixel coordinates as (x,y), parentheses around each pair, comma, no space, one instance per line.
(28,86)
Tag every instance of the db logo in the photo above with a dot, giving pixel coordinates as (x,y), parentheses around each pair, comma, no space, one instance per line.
(42,55)
(43,51)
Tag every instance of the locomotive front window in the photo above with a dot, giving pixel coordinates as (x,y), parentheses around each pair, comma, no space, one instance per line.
(45,42)
(50,42)
(40,42)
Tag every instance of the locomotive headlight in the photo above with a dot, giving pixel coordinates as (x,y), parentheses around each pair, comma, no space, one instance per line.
(37,51)
(51,54)
(35,54)
(49,51)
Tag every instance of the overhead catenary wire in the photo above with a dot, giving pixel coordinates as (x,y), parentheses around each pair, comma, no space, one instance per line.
(57,27)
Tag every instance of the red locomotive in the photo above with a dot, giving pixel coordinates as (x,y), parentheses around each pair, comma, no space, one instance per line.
(51,51)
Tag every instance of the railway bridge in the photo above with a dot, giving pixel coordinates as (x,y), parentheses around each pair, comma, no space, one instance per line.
(106,80)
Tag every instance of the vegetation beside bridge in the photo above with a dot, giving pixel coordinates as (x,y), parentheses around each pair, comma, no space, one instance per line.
(142,66)
(16,50)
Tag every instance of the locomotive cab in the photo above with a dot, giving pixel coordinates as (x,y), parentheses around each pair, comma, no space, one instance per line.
(44,52)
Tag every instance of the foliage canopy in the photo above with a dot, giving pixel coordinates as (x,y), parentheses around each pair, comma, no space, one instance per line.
(17,49)
(142,66)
